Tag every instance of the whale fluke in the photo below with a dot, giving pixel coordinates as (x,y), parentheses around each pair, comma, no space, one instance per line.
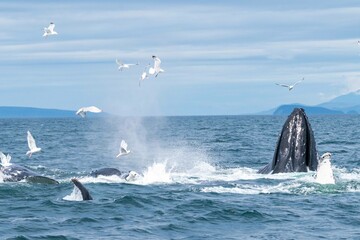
(296,148)
(84,192)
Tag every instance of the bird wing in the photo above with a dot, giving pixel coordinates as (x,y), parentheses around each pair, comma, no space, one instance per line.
(118,62)
(92,109)
(51,27)
(31,141)
(80,111)
(123,146)
(8,158)
(298,82)
(3,158)
(157,63)
(283,85)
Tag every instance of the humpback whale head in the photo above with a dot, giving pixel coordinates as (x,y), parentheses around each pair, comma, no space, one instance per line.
(84,192)
(296,148)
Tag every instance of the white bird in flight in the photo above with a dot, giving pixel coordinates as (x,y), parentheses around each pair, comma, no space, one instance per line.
(144,74)
(32,145)
(5,159)
(123,149)
(49,30)
(121,65)
(82,111)
(156,69)
(290,87)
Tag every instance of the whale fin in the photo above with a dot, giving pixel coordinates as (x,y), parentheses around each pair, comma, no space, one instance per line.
(41,179)
(84,192)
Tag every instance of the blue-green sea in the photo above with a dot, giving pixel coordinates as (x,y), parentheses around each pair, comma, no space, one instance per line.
(198,180)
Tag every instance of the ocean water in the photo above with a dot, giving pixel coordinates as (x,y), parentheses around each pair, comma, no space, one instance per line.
(198,180)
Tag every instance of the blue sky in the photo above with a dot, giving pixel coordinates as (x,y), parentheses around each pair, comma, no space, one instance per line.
(220,57)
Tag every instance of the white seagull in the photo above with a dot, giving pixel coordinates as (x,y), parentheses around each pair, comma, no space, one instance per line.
(144,74)
(5,159)
(124,65)
(49,30)
(156,69)
(123,149)
(324,173)
(32,145)
(82,111)
(290,87)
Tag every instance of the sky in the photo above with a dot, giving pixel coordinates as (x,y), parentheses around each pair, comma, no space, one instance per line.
(219,57)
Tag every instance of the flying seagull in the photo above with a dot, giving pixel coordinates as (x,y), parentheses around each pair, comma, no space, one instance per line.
(290,87)
(124,65)
(82,111)
(144,74)
(5,159)
(123,149)
(156,69)
(49,30)
(32,145)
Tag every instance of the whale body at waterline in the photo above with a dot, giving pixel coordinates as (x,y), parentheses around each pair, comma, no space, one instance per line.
(17,173)
(128,176)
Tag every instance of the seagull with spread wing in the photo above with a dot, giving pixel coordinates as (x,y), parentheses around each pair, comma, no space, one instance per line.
(5,159)
(49,30)
(290,87)
(32,145)
(122,65)
(123,149)
(82,111)
(156,69)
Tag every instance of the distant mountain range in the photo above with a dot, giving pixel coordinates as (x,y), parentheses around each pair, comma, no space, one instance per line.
(345,104)
(29,112)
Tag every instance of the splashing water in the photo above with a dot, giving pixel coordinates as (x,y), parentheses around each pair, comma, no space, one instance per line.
(74,196)
(156,173)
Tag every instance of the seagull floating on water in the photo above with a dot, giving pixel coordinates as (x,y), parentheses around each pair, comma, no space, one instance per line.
(324,173)
(156,69)
(5,159)
(82,111)
(32,145)
(123,149)
(124,65)
(290,87)
(49,30)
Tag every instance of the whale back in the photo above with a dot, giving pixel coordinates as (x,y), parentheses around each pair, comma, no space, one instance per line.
(106,172)
(16,173)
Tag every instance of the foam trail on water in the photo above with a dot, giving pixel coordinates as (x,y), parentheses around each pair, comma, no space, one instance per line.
(102,179)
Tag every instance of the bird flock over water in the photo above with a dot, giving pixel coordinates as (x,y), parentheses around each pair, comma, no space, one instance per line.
(148,71)
(123,149)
